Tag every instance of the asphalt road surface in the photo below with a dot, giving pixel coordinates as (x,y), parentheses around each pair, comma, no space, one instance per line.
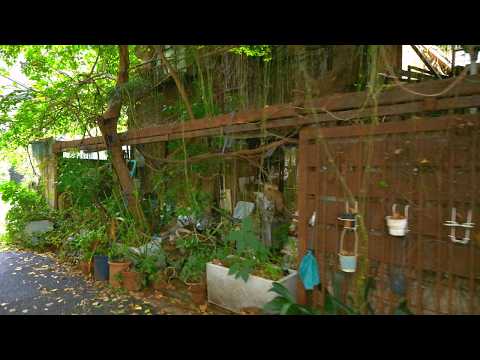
(36,284)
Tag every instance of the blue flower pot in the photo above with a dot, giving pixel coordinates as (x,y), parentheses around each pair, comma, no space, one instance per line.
(100,266)
(348,263)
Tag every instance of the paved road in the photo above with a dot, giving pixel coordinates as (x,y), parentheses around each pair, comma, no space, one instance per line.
(36,284)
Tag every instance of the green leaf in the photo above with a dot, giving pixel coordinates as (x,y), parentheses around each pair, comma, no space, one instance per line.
(282,291)
(285,308)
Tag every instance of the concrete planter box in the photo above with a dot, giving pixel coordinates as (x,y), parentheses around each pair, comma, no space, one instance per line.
(235,294)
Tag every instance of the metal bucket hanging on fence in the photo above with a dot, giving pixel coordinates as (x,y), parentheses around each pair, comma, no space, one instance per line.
(348,261)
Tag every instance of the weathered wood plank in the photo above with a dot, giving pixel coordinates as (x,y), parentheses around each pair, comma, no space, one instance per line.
(393,101)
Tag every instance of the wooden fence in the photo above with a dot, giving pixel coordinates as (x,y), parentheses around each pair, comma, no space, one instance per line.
(431,164)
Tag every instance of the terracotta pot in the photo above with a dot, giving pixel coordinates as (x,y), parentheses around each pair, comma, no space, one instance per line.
(198,293)
(132,280)
(116,268)
(160,283)
(86,268)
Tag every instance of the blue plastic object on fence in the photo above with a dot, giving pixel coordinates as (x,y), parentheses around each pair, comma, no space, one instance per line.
(308,271)
(133,171)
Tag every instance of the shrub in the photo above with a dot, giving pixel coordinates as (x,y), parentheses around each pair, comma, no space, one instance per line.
(26,205)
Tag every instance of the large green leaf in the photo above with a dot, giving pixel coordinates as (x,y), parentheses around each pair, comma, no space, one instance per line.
(281,290)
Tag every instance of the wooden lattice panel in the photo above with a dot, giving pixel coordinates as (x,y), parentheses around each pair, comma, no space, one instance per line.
(431,166)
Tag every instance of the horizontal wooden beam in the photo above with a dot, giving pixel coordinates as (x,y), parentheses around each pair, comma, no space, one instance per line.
(393,101)
(424,124)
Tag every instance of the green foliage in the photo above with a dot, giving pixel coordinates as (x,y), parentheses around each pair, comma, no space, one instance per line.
(85,180)
(383,184)
(118,252)
(284,303)
(246,240)
(26,205)
(249,254)
(261,51)
(280,235)
(178,195)
(70,85)
(272,271)
(196,255)
(93,242)
(148,263)
(193,268)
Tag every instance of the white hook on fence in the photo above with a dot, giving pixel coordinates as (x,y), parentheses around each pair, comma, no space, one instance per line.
(453,224)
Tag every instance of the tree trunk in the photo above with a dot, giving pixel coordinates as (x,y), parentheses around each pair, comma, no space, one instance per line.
(108,126)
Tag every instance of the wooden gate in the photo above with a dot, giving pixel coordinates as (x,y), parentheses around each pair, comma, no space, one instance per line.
(430,164)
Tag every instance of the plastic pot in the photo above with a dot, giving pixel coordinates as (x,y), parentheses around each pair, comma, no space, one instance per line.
(348,263)
(132,280)
(100,266)
(115,268)
(396,227)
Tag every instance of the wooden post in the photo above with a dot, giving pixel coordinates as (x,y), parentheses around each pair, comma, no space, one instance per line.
(47,163)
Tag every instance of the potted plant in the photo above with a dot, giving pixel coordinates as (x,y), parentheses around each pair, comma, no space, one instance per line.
(193,275)
(117,263)
(144,270)
(86,264)
(86,247)
(243,278)
(150,265)
(132,279)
